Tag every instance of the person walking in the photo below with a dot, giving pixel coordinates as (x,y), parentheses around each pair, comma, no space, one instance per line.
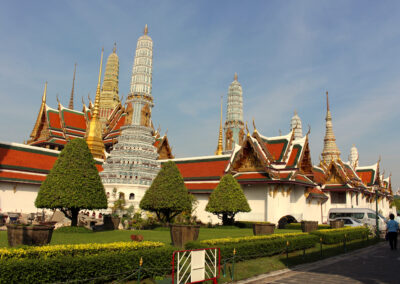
(392,228)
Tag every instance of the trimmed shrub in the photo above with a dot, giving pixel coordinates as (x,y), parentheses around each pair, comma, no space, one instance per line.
(74,250)
(103,267)
(297,226)
(73,230)
(334,236)
(257,246)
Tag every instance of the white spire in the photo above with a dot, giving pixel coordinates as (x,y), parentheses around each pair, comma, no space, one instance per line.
(296,125)
(331,151)
(353,157)
(143,66)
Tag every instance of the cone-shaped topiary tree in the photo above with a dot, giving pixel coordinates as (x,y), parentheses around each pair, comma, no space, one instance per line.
(167,195)
(73,183)
(227,199)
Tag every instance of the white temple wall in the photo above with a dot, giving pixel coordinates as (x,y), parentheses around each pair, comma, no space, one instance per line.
(200,210)
(137,190)
(18,197)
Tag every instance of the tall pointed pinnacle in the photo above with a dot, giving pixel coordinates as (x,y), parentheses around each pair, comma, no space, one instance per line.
(235,77)
(219,148)
(94,132)
(330,151)
(97,99)
(115,48)
(44,97)
(146,30)
(40,114)
(71,100)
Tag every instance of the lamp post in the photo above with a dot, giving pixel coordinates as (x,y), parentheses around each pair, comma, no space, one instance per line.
(376,214)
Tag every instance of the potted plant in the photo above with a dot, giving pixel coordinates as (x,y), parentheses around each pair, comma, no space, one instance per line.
(185,229)
(308,226)
(263,228)
(22,234)
(336,224)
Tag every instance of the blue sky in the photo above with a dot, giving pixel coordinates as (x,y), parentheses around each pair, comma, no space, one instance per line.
(286,53)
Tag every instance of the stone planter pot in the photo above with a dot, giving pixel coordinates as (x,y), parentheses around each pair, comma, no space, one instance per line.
(36,235)
(308,226)
(115,221)
(263,229)
(181,234)
(336,224)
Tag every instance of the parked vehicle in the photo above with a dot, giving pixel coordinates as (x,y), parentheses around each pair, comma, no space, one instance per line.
(364,215)
(350,222)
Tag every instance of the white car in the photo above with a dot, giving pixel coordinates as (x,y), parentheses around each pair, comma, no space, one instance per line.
(350,222)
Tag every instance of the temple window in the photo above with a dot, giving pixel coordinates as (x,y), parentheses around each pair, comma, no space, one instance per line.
(131,196)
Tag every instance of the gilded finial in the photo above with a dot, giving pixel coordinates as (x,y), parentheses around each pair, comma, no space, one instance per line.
(309,130)
(146,30)
(254,125)
(295,112)
(83,101)
(247,129)
(97,99)
(219,147)
(44,93)
(235,77)
(58,101)
(280,132)
(115,47)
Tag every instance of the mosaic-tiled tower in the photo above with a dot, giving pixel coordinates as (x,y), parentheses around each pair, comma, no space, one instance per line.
(109,97)
(331,151)
(134,159)
(234,126)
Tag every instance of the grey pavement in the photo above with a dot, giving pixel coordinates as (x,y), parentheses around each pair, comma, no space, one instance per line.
(375,264)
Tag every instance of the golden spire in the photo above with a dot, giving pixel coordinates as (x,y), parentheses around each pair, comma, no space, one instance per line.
(219,148)
(94,132)
(327,101)
(39,117)
(115,47)
(235,77)
(146,30)
(71,100)
(330,151)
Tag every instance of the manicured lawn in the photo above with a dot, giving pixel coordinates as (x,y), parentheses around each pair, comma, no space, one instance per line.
(149,235)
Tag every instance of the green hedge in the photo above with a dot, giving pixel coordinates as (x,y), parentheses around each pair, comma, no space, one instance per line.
(334,236)
(248,224)
(297,226)
(156,262)
(253,248)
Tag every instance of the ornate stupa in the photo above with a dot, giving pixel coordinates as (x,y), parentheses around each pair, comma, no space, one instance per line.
(109,97)
(295,124)
(93,136)
(234,126)
(331,151)
(353,157)
(134,159)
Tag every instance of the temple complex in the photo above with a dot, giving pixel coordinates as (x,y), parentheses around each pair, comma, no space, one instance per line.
(276,173)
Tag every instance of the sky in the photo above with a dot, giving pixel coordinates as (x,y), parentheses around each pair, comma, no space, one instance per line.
(287,55)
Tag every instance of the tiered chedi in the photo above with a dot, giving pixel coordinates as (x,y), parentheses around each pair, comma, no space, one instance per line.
(234,126)
(134,159)
(331,151)
(109,97)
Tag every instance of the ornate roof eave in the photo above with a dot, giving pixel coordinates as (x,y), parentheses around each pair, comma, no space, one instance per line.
(256,135)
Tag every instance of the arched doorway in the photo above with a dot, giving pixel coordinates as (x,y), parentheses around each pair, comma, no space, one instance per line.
(286,220)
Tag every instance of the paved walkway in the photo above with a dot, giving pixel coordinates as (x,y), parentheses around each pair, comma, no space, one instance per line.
(376,264)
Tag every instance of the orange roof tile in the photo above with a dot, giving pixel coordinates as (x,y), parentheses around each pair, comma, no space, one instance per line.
(202,168)
(74,119)
(54,119)
(199,186)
